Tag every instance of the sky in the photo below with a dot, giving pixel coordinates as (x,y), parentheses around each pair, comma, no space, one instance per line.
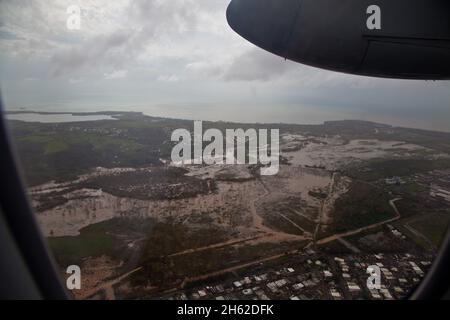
(179,58)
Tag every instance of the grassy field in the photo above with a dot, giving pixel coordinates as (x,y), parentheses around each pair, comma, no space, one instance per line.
(334,247)
(413,187)
(382,240)
(93,241)
(169,271)
(433,226)
(278,222)
(362,205)
(63,151)
(384,168)
(104,238)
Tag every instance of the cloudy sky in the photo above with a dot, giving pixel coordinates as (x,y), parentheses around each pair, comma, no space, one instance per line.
(179,58)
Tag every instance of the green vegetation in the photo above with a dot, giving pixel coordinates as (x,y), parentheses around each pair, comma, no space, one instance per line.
(99,239)
(55,147)
(168,271)
(170,238)
(413,187)
(155,183)
(384,168)
(178,250)
(432,226)
(63,151)
(361,206)
(382,240)
(93,241)
(334,247)
(278,222)
(203,262)
(287,220)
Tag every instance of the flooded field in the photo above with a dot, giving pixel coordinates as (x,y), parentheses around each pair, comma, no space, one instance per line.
(241,201)
(335,153)
(143,230)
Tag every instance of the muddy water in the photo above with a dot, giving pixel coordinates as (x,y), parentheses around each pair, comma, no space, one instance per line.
(303,180)
(334,154)
(88,207)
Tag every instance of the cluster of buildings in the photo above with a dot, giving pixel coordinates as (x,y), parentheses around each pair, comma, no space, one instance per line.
(437,191)
(438,182)
(313,275)
(394,181)
(434,184)
(396,232)
(112,132)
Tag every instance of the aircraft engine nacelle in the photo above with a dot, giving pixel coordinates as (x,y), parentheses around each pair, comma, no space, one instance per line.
(407,39)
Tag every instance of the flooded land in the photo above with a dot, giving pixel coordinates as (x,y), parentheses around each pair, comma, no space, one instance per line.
(347,194)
